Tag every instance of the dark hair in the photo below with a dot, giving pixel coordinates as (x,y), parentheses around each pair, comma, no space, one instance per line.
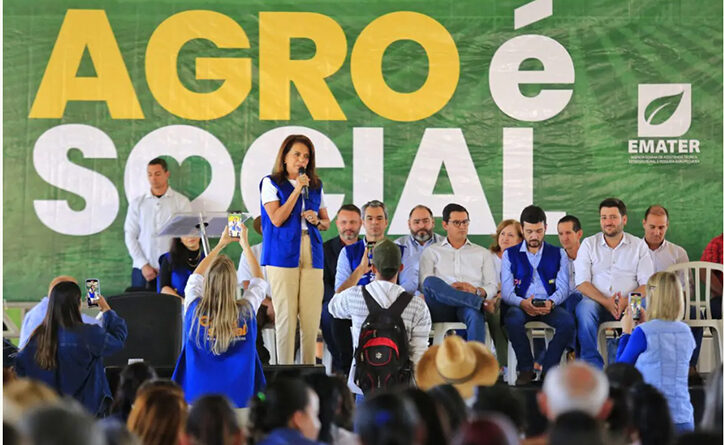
(500,399)
(650,415)
(375,204)
(159,161)
(572,219)
(656,210)
(211,421)
(180,255)
(158,414)
(623,375)
(350,208)
(61,423)
(487,430)
(532,215)
(420,206)
(574,428)
(452,403)
(63,312)
(618,421)
(329,401)
(386,419)
(279,172)
(712,419)
(277,404)
(452,208)
(613,202)
(700,438)
(131,378)
(429,415)
(344,418)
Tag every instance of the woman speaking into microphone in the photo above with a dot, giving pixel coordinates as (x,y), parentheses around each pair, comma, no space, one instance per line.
(292,214)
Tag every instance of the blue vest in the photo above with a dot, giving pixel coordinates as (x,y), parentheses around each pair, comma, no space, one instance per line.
(354,256)
(179,275)
(280,245)
(522,270)
(237,373)
(665,364)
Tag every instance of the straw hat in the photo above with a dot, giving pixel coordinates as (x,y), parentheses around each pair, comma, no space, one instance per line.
(463,364)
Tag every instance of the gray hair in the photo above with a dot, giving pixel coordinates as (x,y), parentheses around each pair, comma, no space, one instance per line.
(575,386)
(375,204)
(62,424)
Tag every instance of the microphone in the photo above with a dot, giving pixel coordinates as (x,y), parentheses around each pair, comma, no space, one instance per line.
(305,189)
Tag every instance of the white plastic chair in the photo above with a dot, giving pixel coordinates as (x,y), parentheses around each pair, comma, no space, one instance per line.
(697,296)
(439,331)
(601,337)
(533,329)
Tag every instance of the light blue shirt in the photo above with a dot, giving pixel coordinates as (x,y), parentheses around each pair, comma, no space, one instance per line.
(35,317)
(536,286)
(411,259)
(407,278)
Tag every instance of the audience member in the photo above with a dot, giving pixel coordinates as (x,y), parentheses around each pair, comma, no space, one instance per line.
(219,355)
(569,236)
(35,316)
(650,416)
(421,223)
(212,421)
(458,276)
(116,433)
(507,234)
(434,431)
(388,419)
(609,265)
(131,378)
(465,365)
(577,386)
(24,395)
(619,421)
(661,346)
(488,429)
(501,399)
(330,401)
(146,215)
(356,303)
(623,375)
(344,419)
(177,265)
(287,412)
(61,424)
(534,283)
(575,428)
(158,416)
(292,251)
(336,332)
(67,354)
(451,405)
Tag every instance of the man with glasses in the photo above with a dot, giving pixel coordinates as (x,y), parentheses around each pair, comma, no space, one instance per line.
(421,224)
(456,276)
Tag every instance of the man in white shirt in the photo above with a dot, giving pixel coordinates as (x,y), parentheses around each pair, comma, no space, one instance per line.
(569,236)
(422,235)
(456,276)
(350,303)
(663,253)
(146,215)
(609,265)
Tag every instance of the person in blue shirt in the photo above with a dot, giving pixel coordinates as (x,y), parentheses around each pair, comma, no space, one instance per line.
(535,271)
(177,265)
(286,413)
(35,316)
(67,354)
(661,346)
(219,354)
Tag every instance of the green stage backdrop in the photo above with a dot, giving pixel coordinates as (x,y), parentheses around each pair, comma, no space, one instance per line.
(493,104)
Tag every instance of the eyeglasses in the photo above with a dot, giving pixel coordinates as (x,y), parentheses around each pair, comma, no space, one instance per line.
(460,223)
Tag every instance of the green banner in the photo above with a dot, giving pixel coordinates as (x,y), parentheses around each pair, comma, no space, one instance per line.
(493,104)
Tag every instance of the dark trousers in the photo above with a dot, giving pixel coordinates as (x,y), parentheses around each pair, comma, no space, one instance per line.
(338,337)
(139,282)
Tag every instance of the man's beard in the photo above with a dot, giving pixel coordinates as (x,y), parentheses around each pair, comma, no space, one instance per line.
(616,231)
(422,236)
(534,243)
(349,235)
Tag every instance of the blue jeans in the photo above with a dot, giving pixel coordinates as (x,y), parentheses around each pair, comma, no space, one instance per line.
(139,281)
(682,428)
(570,305)
(558,318)
(448,304)
(589,315)
(699,332)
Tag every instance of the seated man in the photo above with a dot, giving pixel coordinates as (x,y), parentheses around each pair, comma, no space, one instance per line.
(456,275)
(539,271)
(35,316)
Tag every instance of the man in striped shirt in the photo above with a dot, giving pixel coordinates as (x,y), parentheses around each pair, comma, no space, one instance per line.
(350,303)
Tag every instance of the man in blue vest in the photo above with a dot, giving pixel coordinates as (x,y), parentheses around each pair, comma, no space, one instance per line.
(534,284)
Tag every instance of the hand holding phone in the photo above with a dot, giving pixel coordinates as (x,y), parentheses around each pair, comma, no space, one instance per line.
(93,291)
(235,220)
(539,302)
(635,301)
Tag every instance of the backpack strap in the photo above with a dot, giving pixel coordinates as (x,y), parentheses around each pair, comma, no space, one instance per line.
(399,305)
(372,305)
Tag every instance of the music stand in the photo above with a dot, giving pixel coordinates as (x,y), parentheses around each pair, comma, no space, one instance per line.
(198,224)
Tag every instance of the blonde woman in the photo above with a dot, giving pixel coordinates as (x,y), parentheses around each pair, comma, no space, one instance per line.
(661,346)
(219,354)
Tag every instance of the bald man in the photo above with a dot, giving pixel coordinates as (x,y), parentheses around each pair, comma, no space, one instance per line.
(36,315)
(577,386)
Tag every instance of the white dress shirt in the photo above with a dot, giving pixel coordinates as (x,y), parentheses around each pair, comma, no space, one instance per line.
(411,258)
(667,255)
(470,263)
(243,273)
(621,269)
(146,215)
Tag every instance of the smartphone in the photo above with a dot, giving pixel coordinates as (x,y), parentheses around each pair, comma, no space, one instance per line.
(235,220)
(370,248)
(634,301)
(92,290)
(539,302)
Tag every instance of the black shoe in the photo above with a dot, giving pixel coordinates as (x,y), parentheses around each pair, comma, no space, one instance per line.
(525,378)
(694,377)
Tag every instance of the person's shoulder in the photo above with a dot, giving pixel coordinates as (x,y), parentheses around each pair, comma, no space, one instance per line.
(403,240)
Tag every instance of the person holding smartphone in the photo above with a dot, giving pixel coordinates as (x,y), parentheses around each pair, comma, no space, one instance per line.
(293,213)
(178,264)
(534,284)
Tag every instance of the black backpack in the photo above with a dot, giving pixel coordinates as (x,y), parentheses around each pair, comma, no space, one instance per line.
(383,351)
